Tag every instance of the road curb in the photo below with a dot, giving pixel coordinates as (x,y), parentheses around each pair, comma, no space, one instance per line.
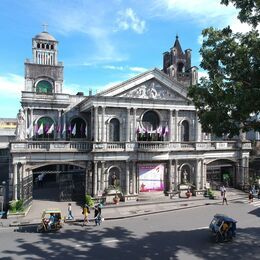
(21,224)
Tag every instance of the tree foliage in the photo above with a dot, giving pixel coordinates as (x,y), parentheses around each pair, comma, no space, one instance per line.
(229,99)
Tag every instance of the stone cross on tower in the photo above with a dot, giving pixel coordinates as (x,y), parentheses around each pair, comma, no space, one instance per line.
(45,27)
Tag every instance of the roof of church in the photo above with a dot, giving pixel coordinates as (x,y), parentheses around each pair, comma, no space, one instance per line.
(45,36)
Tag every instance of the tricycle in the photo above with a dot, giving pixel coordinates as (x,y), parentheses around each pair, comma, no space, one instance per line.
(51,220)
(223,228)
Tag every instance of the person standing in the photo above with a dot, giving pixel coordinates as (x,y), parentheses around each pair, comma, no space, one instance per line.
(97,215)
(250,196)
(224,197)
(85,212)
(70,216)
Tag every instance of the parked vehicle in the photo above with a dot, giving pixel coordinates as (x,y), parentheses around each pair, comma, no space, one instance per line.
(223,228)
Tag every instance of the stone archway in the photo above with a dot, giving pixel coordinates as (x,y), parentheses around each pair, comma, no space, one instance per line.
(59,182)
(221,172)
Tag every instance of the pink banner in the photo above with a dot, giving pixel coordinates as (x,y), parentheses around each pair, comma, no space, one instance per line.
(151,177)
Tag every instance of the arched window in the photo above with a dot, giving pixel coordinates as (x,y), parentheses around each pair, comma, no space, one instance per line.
(185,131)
(42,46)
(180,67)
(45,128)
(38,45)
(44,87)
(114,177)
(150,121)
(77,128)
(47,46)
(114,130)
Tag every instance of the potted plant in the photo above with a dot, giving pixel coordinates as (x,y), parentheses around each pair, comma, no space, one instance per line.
(188,193)
(116,199)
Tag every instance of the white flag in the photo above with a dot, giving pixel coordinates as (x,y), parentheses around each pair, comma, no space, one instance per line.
(86,131)
(73,132)
(30,131)
(50,129)
(40,130)
(64,129)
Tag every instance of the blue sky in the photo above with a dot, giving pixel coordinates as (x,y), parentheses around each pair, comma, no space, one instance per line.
(101,42)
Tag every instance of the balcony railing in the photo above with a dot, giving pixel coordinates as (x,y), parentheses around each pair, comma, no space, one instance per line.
(83,146)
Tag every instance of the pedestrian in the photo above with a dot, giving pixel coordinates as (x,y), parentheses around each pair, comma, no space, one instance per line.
(97,215)
(70,216)
(40,180)
(224,197)
(258,195)
(222,189)
(250,196)
(85,212)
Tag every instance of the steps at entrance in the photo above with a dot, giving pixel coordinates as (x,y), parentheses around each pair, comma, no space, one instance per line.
(151,196)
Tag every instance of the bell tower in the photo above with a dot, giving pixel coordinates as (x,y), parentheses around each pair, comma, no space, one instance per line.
(177,65)
(44,73)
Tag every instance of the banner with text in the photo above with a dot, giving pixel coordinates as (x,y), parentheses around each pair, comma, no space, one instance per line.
(151,177)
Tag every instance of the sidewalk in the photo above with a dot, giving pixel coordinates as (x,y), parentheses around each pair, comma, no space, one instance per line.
(123,209)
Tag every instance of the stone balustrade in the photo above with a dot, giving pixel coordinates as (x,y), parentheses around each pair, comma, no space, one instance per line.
(79,146)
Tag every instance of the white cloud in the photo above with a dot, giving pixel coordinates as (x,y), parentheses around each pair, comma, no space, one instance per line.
(138,69)
(12,84)
(128,19)
(205,12)
(112,67)
(125,68)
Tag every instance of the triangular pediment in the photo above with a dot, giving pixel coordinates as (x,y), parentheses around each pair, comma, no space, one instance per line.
(152,89)
(153,84)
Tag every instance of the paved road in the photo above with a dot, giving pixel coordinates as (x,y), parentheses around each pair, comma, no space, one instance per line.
(179,234)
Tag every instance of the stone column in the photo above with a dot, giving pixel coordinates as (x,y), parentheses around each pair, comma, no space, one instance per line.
(134,125)
(98,178)
(26,119)
(127,124)
(198,129)
(176,175)
(64,124)
(170,126)
(203,174)
(134,176)
(95,126)
(127,178)
(15,181)
(102,175)
(176,134)
(170,175)
(22,176)
(94,184)
(59,124)
(86,180)
(103,124)
(198,175)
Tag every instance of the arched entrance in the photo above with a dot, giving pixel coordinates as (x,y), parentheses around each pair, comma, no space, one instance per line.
(59,182)
(221,172)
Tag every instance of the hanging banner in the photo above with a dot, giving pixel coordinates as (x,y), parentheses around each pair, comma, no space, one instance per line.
(151,177)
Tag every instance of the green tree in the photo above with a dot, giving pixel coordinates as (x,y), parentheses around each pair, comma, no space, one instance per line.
(229,99)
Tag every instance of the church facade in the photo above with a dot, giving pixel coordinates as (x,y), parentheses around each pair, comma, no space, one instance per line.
(142,135)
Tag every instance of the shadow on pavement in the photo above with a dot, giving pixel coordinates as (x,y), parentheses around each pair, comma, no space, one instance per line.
(90,243)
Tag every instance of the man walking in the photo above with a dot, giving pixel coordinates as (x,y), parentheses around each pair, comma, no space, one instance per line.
(224,197)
